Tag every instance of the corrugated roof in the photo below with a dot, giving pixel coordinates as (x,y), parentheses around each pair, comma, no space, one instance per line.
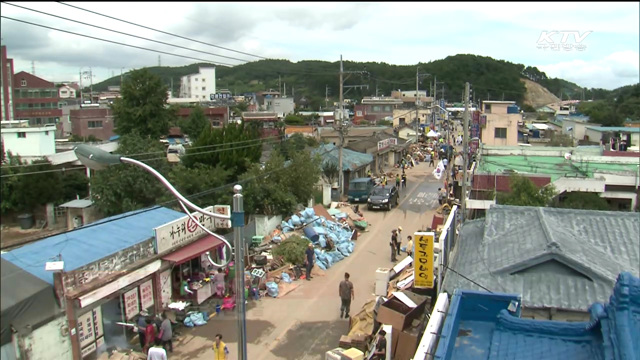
(562,258)
(351,160)
(615,129)
(77,204)
(91,243)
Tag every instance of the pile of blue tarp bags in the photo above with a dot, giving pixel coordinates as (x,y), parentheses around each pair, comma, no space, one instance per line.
(318,230)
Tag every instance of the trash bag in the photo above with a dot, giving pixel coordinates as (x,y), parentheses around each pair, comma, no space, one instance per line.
(272,289)
(197,318)
(322,241)
(334,238)
(309,213)
(321,265)
(295,220)
(188,322)
(286,278)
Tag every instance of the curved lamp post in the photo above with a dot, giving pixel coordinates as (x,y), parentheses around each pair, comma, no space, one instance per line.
(98,159)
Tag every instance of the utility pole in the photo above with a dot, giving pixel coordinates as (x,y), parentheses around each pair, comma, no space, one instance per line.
(465,150)
(159,61)
(340,127)
(238,241)
(326,96)
(417,115)
(91,83)
(279,85)
(33,68)
(285,90)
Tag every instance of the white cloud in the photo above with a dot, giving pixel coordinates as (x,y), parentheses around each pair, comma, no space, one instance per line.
(615,70)
(393,32)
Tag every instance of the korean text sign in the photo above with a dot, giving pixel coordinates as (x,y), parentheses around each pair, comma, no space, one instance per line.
(182,231)
(423,260)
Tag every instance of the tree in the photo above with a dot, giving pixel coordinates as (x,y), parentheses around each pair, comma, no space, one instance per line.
(601,112)
(292,250)
(234,147)
(558,139)
(125,187)
(525,193)
(142,108)
(292,119)
(528,108)
(585,201)
(293,144)
(195,124)
(201,179)
(330,172)
(74,184)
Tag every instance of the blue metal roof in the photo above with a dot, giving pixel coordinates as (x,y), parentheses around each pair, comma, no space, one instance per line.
(91,242)
(114,138)
(351,160)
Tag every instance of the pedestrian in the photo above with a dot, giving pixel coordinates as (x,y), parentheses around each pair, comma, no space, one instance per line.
(166,333)
(381,347)
(398,180)
(157,353)
(369,173)
(218,283)
(399,240)
(409,246)
(445,161)
(392,243)
(345,290)
(441,196)
(142,325)
(431,156)
(149,335)
(384,180)
(220,350)
(404,180)
(310,255)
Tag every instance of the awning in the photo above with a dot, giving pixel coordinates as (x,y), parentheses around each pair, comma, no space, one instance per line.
(194,249)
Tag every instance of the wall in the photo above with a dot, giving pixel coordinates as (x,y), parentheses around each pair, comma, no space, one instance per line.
(282,105)
(579,129)
(508,121)
(191,85)
(37,141)
(47,342)
(80,122)
(109,265)
(409,116)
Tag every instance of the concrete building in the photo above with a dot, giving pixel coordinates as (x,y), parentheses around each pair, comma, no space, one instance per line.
(501,127)
(66,92)
(576,126)
(268,122)
(35,99)
(402,117)
(280,106)
(386,149)
(98,122)
(374,109)
(200,85)
(29,141)
(330,135)
(218,116)
(601,135)
(6,86)
(324,117)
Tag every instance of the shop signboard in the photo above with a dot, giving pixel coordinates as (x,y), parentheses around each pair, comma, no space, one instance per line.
(86,333)
(383,144)
(423,260)
(97,322)
(146,294)
(475,117)
(88,350)
(483,120)
(165,286)
(182,231)
(131,304)
(222,210)
(475,131)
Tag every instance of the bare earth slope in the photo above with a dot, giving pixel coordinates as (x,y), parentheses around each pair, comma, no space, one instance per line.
(537,95)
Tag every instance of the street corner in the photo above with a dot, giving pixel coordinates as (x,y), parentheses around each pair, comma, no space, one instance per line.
(311,340)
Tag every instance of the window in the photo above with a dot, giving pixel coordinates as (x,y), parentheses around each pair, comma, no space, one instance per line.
(204,88)
(196,79)
(487,108)
(22,135)
(95,124)
(203,80)
(23,82)
(500,133)
(376,109)
(46,133)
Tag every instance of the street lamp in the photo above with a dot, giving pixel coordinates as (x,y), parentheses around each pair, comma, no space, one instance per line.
(98,159)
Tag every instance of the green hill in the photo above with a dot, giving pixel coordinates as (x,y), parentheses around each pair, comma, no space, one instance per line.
(490,79)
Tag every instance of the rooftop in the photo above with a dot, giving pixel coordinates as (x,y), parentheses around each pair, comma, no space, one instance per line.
(556,258)
(615,129)
(555,166)
(91,242)
(481,326)
(351,160)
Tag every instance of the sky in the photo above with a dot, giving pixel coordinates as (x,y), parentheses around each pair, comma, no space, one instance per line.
(595,45)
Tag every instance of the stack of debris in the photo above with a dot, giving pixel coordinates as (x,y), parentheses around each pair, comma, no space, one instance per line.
(360,328)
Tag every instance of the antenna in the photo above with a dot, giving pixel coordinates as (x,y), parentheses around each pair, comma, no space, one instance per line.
(33,68)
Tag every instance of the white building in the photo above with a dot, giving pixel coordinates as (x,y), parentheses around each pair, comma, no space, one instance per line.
(66,92)
(30,141)
(281,106)
(200,85)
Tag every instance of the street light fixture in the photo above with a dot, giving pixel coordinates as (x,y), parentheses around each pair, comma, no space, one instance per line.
(98,159)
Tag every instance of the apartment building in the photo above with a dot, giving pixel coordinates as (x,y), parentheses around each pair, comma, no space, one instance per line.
(199,86)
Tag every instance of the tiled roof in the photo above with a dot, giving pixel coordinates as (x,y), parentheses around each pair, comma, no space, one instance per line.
(91,243)
(555,258)
(351,160)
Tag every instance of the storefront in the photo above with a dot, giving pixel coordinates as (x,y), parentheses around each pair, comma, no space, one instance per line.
(186,248)
(101,313)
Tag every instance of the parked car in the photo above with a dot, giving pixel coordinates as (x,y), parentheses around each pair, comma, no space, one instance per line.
(383,197)
(359,189)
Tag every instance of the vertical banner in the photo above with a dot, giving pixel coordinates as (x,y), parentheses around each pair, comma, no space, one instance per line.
(131,304)
(165,286)
(223,210)
(97,322)
(86,334)
(146,295)
(423,260)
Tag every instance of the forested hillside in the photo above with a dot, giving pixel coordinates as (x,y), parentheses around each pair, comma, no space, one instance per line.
(490,79)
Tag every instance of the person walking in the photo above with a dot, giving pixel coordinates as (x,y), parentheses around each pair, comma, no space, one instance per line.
(392,243)
(218,283)
(431,156)
(142,325)
(149,335)
(409,246)
(157,353)
(310,256)
(404,180)
(399,239)
(345,290)
(166,333)
(220,350)
(398,180)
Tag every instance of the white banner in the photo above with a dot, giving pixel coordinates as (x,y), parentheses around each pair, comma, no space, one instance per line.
(86,333)
(97,322)
(146,294)
(88,350)
(165,286)
(131,304)
(383,144)
(222,210)
(182,231)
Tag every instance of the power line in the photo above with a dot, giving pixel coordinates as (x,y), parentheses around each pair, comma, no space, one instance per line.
(160,31)
(466,278)
(115,42)
(123,33)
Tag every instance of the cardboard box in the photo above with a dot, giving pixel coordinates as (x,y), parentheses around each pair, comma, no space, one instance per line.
(353,354)
(382,286)
(395,336)
(407,344)
(399,313)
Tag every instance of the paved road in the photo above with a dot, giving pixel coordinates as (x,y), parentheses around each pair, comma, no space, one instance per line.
(304,324)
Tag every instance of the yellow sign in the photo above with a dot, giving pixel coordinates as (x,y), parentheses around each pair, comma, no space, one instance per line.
(423,260)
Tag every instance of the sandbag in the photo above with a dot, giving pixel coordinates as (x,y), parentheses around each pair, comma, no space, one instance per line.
(321,265)
(295,220)
(198,318)
(322,241)
(286,278)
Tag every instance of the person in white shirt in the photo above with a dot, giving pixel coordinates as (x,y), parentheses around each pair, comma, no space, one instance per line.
(157,353)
